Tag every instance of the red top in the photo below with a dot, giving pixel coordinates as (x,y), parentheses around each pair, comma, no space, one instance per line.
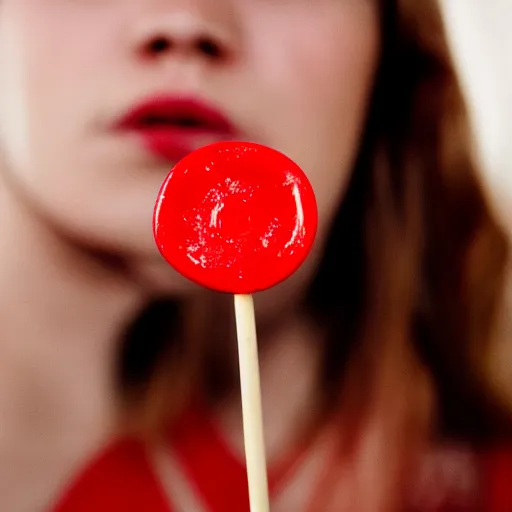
(123,478)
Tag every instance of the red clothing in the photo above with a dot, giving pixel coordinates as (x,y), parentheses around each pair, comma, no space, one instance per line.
(123,479)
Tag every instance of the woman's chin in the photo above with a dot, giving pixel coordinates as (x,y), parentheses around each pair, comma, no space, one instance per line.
(157,277)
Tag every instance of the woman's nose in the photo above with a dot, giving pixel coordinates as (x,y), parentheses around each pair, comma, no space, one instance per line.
(193,29)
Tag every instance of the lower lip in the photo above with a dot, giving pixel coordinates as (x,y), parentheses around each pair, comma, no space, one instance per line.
(174,143)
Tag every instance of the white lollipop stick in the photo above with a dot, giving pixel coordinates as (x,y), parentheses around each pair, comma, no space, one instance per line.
(251,403)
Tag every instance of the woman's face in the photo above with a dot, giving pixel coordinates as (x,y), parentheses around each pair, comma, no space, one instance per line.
(295,75)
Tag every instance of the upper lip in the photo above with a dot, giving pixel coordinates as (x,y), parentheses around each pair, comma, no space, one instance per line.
(171,111)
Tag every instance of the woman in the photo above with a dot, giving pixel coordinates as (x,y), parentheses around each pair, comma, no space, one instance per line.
(374,388)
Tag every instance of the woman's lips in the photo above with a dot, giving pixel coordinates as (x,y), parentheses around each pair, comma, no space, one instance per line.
(171,127)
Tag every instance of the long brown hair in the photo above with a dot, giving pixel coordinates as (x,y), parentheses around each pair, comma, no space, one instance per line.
(410,300)
(426,258)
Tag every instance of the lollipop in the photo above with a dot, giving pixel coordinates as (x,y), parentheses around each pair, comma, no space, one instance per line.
(238,218)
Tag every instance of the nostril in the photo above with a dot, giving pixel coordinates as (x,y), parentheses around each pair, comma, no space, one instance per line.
(209,48)
(205,46)
(158,45)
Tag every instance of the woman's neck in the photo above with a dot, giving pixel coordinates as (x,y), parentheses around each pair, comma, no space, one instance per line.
(60,314)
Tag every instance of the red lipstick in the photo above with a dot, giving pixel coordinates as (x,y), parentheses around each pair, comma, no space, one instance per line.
(172,127)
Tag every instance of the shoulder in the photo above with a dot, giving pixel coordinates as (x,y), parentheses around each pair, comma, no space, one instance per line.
(119,478)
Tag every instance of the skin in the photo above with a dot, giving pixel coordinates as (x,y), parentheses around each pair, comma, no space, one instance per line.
(293,75)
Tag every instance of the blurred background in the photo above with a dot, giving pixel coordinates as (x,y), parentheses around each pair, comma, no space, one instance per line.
(482,41)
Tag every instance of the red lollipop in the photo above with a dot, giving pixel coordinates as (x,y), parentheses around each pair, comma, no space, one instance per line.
(238,217)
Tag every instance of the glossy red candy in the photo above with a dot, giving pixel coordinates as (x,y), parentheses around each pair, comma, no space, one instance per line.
(235,217)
